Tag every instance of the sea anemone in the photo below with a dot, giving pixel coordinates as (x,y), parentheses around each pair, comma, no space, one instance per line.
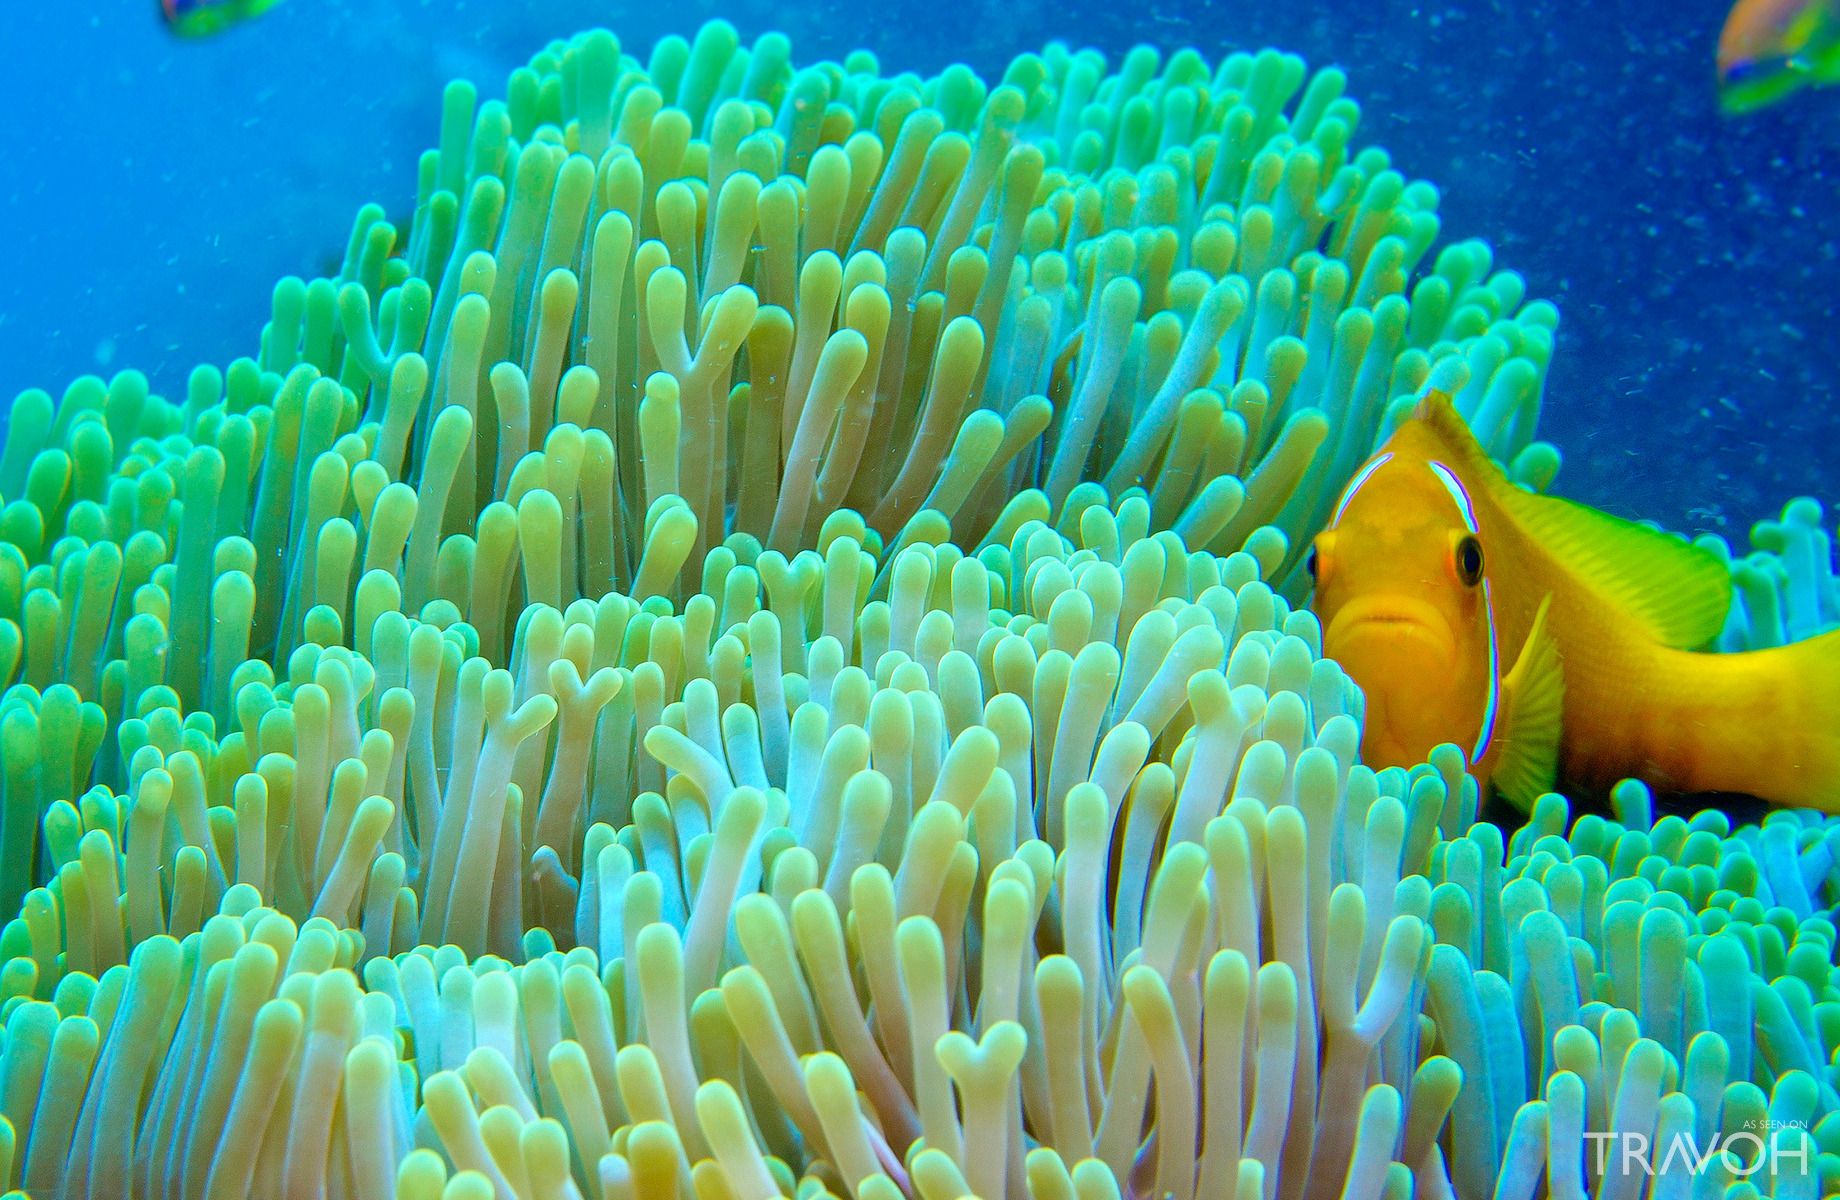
(942,831)
(753,651)
(1785,589)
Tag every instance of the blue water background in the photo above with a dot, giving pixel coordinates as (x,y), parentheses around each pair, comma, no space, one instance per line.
(152,191)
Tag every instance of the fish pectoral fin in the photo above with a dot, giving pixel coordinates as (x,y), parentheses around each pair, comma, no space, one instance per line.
(1533,704)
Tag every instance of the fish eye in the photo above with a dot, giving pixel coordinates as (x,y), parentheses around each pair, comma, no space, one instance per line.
(1469,561)
(1319,560)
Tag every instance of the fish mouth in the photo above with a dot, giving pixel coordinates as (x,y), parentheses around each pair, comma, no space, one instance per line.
(1393,618)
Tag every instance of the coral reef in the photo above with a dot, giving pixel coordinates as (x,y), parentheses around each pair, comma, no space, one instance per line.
(754,649)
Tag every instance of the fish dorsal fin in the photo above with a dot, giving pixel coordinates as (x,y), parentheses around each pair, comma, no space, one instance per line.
(1438,412)
(1677,592)
(1532,711)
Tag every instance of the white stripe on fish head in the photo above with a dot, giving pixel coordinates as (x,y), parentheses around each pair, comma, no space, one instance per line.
(1466,509)
(1458,494)
(1354,485)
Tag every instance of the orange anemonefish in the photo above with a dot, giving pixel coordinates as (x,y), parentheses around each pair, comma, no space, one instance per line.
(1552,641)
(1770,48)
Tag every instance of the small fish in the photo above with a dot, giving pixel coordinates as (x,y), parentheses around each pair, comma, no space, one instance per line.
(1770,48)
(1555,642)
(203,18)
